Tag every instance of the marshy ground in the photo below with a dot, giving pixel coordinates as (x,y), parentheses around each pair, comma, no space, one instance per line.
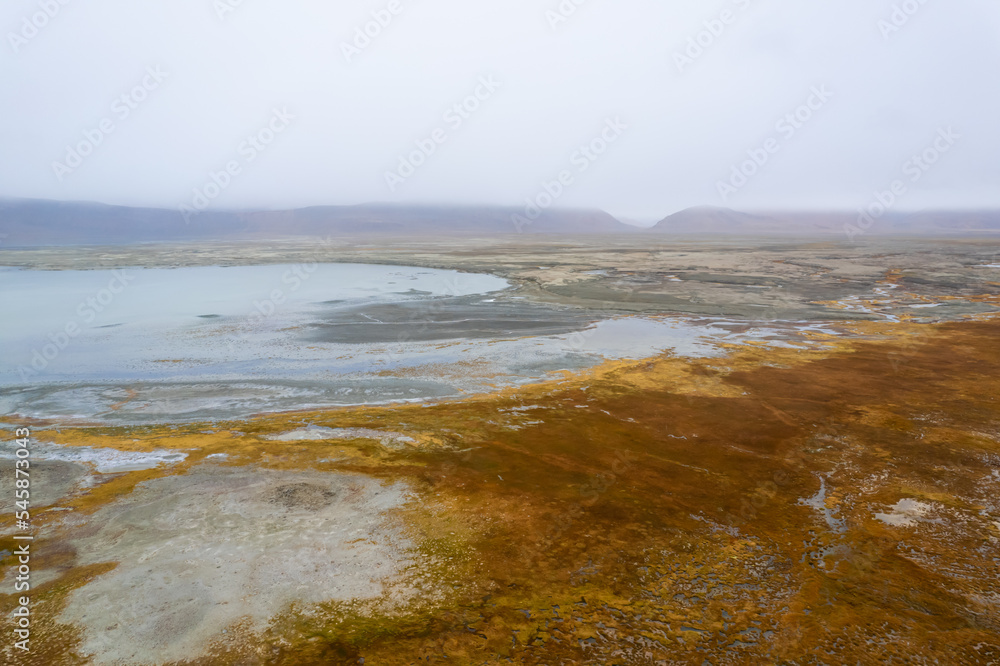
(833,500)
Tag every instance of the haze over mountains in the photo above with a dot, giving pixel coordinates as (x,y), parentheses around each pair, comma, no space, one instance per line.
(30,222)
(712,220)
(41,222)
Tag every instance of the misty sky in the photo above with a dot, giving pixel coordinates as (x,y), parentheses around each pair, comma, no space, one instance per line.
(666,121)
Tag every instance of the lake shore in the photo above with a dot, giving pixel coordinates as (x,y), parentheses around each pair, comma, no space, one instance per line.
(598,493)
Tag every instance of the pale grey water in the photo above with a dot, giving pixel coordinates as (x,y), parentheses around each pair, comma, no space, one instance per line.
(148,345)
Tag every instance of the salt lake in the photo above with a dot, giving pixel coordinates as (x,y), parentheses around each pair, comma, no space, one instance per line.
(205,343)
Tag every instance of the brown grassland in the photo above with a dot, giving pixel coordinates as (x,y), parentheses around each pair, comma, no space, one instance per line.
(653,512)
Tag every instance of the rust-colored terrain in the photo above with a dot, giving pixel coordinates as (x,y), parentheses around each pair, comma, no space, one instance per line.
(817,495)
(830,504)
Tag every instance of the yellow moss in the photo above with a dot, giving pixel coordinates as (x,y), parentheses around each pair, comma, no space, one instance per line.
(658,503)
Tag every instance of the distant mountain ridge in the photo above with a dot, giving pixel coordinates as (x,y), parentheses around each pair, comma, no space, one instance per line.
(715,220)
(709,219)
(29,222)
(40,222)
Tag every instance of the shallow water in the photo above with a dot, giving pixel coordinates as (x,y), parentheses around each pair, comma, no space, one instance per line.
(149,323)
(153,345)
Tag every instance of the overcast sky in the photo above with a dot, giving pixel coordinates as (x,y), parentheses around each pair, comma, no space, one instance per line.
(667,118)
